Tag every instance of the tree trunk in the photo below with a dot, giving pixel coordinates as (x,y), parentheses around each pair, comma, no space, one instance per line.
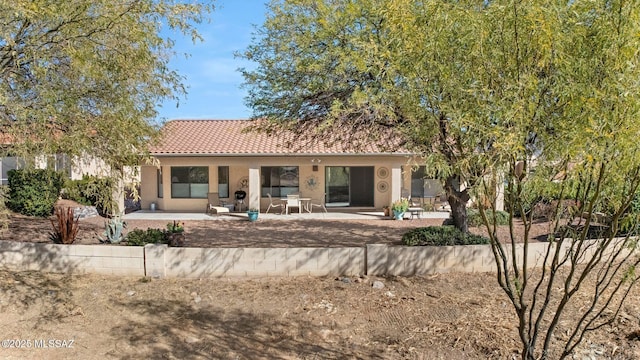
(458,202)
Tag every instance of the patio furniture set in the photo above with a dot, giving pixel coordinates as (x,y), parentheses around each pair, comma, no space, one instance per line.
(294,201)
(217,206)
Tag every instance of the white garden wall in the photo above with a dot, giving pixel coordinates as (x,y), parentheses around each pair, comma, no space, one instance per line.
(181,262)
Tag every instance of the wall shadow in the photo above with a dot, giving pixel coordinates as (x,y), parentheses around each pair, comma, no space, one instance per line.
(171,329)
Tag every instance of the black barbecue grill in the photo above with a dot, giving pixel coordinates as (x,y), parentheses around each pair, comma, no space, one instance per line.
(240,195)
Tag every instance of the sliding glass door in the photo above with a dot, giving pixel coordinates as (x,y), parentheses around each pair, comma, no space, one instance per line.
(349,186)
(337,185)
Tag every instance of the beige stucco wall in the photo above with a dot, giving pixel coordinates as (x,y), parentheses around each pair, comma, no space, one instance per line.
(384,188)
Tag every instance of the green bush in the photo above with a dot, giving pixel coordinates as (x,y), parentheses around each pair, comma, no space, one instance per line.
(539,198)
(91,190)
(138,237)
(475,219)
(441,236)
(34,192)
(74,190)
(634,207)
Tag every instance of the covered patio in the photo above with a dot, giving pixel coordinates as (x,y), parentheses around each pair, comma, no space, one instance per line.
(235,216)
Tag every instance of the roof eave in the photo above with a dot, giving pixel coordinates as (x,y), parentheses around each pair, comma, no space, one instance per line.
(280,154)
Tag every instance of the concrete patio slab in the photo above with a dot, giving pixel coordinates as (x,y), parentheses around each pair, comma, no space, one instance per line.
(355,215)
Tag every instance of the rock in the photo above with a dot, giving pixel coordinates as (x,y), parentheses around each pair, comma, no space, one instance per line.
(390,294)
(328,306)
(131,293)
(84,212)
(197,299)
(345,280)
(325,334)
(378,284)
(191,340)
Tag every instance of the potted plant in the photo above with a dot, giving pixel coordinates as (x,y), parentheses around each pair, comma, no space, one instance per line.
(386,210)
(399,207)
(175,234)
(253,214)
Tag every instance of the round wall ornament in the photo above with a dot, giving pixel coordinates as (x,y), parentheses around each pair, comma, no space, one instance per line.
(243,182)
(383,186)
(383,172)
(312,182)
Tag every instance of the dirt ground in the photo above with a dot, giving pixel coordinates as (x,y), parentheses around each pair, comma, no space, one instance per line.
(446,316)
(262,233)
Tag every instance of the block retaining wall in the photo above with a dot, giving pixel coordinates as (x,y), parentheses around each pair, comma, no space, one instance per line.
(164,261)
(112,260)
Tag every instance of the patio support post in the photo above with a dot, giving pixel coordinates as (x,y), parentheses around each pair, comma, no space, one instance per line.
(254,187)
(396,182)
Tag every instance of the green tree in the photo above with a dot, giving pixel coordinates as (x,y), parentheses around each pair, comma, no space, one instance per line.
(486,91)
(584,146)
(84,77)
(395,73)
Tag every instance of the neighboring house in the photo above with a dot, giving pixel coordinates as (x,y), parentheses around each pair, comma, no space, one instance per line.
(197,157)
(58,162)
(74,170)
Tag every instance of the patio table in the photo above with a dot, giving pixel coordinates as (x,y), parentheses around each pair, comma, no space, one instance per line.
(305,203)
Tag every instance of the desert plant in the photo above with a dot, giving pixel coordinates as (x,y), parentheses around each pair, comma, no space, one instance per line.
(441,236)
(139,237)
(175,227)
(65,227)
(113,230)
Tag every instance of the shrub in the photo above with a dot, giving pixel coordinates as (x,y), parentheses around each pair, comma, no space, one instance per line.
(175,227)
(475,219)
(34,192)
(91,190)
(138,237)
(65,228)
(4,212)
(441,236)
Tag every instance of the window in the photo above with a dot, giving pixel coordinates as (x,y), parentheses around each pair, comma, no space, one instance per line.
(223,182)
(421,187)
(279,181)
(159,183)
(417,182)
(9,163)
(189,182)
(60,163)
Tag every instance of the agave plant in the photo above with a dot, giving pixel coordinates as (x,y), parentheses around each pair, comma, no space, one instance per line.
(113,230)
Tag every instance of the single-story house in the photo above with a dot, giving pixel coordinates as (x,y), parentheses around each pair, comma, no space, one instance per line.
(197,157)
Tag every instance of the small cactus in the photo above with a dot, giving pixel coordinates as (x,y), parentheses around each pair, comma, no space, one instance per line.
(113,230)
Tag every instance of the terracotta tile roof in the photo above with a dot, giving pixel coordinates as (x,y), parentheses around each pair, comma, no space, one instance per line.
(225,137)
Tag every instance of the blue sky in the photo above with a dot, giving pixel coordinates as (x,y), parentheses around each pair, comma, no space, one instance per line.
(212,80)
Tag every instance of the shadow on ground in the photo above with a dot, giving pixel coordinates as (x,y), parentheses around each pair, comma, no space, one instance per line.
(169,329)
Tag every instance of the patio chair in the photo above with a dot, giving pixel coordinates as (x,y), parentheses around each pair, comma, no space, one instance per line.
(214,205)
(293,201)
(272,204)
(317,203)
